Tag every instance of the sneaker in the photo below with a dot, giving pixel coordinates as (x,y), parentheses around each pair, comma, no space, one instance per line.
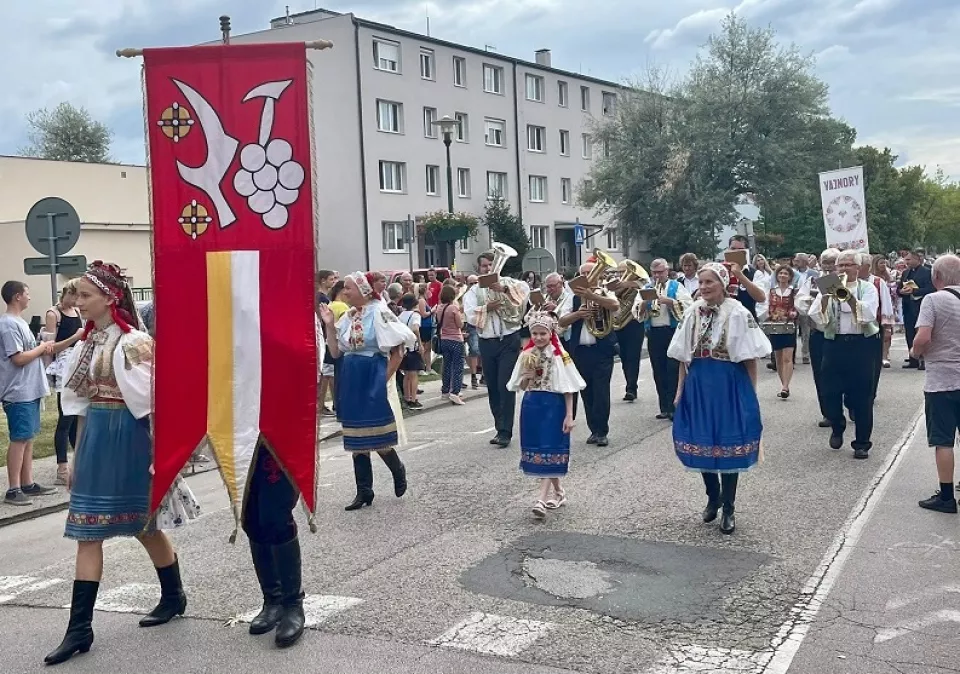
(325,411)
(16,497)
(456,400)
(37,489)
(939,504)
(415,405)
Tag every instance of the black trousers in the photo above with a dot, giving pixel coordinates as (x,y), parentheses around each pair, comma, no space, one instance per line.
(271,498)
(666,371)
(816,364)
(630,339)
(910,326)
(595,365)
(66,433)
(848,373)
(876,343)
(499,356)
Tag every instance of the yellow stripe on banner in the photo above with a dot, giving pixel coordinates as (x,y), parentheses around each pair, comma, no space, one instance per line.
(220,366)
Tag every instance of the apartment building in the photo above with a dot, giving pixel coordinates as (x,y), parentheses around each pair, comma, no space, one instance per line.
(524,135)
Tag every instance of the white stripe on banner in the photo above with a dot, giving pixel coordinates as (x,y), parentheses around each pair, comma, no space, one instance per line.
(247,378)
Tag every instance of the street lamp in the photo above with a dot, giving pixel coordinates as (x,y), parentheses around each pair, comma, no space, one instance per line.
(447,126)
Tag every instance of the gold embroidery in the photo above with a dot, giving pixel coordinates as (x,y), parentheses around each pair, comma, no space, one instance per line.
(137,352)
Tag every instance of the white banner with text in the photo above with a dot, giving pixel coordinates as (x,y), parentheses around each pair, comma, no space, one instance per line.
(844,208)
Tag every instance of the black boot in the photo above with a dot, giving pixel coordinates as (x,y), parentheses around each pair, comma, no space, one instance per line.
(399,471)
(363,473)
(265,564)
(290,628)
(729,496)
(712,482)
(173,600)
(79,636)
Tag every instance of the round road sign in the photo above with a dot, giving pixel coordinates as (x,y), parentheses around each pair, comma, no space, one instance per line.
(66,225)
(539,260)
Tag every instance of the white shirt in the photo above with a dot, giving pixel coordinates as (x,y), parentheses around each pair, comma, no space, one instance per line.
(494,327)
(867,302)
(691,284)
(663,320)
(564,306)
(886,299)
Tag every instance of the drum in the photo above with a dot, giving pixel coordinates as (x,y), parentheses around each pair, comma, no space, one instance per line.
(779,328)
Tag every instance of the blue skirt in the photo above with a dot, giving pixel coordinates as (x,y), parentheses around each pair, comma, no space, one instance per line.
(110,495)
(717,427)
(544,447)
(362,405)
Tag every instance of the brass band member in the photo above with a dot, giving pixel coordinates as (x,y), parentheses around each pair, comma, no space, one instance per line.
(630,333)
(661,318)
(497,312)
(593,356)
(848,318)
(809,293)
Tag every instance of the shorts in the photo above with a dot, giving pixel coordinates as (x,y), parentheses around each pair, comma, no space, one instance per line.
(473,341)
(23,420)
(426,334)
(942,410)
(327,370)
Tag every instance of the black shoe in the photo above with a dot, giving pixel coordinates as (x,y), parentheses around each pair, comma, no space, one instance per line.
(710,512)
(836,441)
(670,416)
(265,564)
(630,397)
(398,470)
(939,504)
(173,600)
(922,367)
(359,501)
(602,441)
(503,441)
(592,440)
(861,453)
(911,366)
(771,366)
(495,440)
(419,391)
(824,423)
(79,636)
(474,384)
(363,474)
(663,415)
(728,523)
(292,622)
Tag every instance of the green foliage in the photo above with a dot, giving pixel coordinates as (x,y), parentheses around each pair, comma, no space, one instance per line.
(505,227)
(67,133)
(446,226)
(938,214)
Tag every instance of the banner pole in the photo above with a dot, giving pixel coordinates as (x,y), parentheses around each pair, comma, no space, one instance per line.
(132,52)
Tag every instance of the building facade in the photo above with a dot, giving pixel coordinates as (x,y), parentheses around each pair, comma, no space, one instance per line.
(524,136)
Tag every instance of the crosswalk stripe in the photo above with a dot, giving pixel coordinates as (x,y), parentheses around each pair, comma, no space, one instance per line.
(9,582)
(317,609)
(493,634)
(695,659)
(131,598)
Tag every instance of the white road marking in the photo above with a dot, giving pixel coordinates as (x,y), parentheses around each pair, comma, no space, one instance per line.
(692,659)
(787,642)
(42,585)
(417,448)
(484,431)
(132,598)
(908,626)
(317,608)
(900,602)
(493,634)
(8,582)
(21,584)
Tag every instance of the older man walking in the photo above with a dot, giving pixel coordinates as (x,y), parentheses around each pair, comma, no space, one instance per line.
(937,340)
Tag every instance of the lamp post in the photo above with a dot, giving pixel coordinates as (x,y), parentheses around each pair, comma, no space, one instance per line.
(447,126)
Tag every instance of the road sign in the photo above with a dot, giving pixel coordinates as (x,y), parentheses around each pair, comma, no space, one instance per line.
(66,226)
(539,260)
(579,234)
(66,264)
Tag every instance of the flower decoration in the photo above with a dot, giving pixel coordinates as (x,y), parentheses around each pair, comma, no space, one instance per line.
(270,179)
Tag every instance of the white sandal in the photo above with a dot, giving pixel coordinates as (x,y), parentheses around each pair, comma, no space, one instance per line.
(559,499)
(540,510)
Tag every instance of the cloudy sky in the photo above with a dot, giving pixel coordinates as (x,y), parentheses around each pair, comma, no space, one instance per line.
(893,66)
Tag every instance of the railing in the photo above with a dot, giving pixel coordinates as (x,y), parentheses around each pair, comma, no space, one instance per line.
(142,294)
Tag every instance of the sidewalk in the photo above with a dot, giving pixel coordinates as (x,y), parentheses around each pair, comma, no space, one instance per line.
(895,607)
(45,470)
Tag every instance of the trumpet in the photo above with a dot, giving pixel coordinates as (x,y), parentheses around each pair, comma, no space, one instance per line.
(843,295)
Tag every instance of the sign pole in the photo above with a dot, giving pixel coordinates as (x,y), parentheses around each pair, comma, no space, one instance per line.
(52,238)
(411,237)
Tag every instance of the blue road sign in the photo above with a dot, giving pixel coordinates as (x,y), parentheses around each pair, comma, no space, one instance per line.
(579,234)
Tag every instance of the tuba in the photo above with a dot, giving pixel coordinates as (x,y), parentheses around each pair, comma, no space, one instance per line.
(632,272)
(510,313)
(601,323)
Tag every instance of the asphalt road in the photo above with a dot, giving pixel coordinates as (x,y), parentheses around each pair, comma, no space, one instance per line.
(456,576)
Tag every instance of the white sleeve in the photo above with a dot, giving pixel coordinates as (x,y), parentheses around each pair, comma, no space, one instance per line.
(868,307)
(470,307)
(72,404)
(763,308)
(683,296)
(681,345)
(816,312)
(804,296)
(133,368)
(517,375)
(745,339)
(566,377)
(886,303)
(390,331)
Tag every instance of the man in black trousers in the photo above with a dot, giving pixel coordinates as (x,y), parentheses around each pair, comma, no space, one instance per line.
(915,284)
(808,294)
(593,356)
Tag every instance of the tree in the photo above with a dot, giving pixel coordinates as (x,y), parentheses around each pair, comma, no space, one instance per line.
(67,133)
(505,228)
(938,214)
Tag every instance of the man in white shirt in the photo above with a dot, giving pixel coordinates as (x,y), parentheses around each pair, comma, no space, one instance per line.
(689,264)
(497,314)
(884,314)
(848,356)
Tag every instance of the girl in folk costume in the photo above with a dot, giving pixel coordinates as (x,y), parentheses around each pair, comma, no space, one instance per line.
(550,380)
(109,387)
(779,318)
(372,341)
(717,427)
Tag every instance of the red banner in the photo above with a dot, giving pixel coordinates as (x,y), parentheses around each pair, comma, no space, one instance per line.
(233,241)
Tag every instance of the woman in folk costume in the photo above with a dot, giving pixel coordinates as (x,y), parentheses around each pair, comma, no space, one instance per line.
(717,427)
(779,316)
(109,387)
(372,341)
(547,375)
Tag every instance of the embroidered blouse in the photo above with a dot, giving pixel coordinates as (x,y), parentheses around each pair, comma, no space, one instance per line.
(372,330)
(727,331)
(118,367)
(549,371)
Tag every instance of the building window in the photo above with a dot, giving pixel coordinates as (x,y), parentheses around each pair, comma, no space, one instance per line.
(613,241)
(494,131)
(386,55)
(609,104)
(606,148)
(492,79)
(463,128)
(433,181)
(538,236)
(496,185)
(585,99)
(535,138)
(390,116)
(586,146)
(463,183)
(564,143)
(426,64)
(563,93)
(464,245)
(429,117)
(393,238)
(459,71)
(391,176)
(534,88)
(566,190)
(538,190)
